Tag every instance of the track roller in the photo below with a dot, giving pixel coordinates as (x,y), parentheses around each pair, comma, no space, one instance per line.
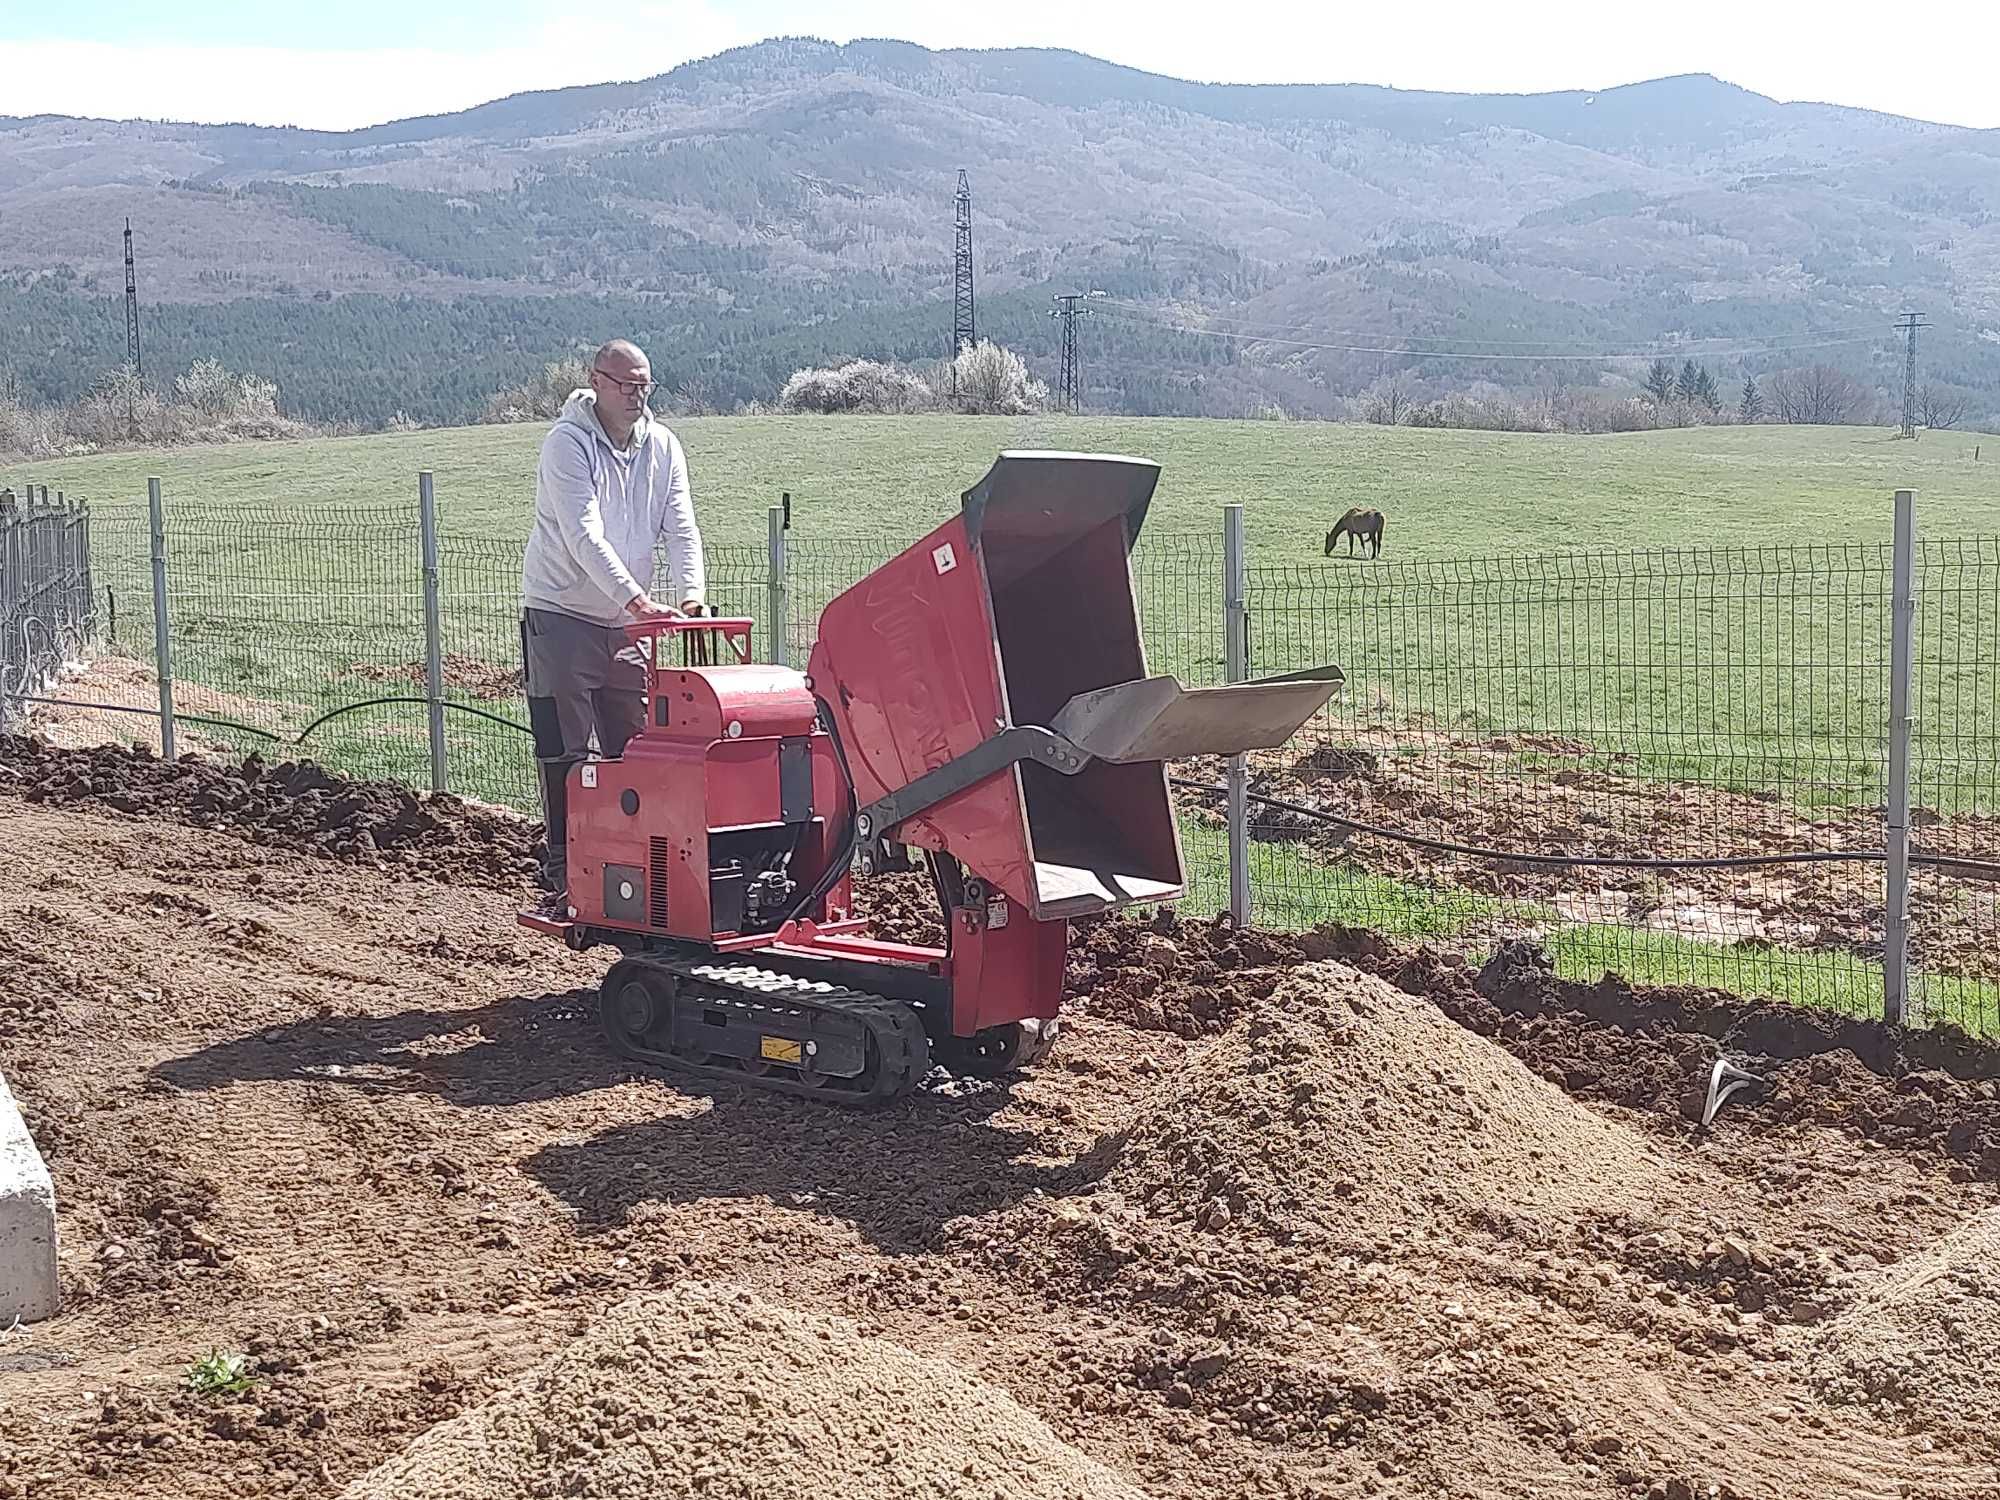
(766,1031)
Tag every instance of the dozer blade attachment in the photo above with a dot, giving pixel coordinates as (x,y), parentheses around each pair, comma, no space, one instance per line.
(1155,718)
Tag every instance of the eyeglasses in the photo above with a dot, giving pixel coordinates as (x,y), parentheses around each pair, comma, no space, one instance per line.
(629,387)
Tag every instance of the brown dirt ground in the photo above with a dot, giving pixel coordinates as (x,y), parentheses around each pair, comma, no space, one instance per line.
(1262,1225)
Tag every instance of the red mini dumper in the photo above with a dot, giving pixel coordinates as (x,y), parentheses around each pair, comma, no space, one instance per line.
(979,704)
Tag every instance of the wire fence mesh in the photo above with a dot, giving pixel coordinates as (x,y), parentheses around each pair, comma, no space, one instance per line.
(1661,706)
(1955,778)
(1668,705)
(45,591)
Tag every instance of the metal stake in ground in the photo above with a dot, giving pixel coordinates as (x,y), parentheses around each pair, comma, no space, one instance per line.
(163,645)
(1896,831)
(1236,666)
(433,642)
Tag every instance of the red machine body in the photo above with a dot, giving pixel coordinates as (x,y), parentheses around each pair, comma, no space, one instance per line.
(664,842)
(982,697)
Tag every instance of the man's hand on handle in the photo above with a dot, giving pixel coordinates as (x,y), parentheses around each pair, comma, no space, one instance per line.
(643,608)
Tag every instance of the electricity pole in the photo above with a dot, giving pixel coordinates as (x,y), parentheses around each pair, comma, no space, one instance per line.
(962,337)
(131,334)
(1912,321)
(1069,311)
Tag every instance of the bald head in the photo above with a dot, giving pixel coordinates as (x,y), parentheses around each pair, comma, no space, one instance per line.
(621,380)
(622,351)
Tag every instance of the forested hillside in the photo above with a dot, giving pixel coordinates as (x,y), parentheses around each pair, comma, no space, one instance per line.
(791,203)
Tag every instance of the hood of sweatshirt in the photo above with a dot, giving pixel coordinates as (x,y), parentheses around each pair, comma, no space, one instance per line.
(580,411)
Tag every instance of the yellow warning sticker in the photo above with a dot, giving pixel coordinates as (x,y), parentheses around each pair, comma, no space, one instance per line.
(780,1049)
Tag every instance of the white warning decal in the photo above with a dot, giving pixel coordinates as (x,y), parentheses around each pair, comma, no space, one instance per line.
(945,559)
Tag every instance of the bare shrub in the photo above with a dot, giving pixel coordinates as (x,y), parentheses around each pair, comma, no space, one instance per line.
(1818,395)
(207,404)
(860,385)
(541,397)
(988,380)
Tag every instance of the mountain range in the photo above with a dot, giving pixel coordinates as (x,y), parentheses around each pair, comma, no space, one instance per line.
(791,203)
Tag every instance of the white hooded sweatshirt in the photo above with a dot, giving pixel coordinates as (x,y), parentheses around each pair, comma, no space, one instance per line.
(598,513)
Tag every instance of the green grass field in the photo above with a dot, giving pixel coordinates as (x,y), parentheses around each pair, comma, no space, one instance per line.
(1758,666)
(1447,494)
(1704,606)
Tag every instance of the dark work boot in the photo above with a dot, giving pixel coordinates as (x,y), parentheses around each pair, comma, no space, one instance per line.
(554,776)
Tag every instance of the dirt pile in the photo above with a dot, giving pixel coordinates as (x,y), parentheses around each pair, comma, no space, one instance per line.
(1192,979)
(1363,1230)
(1933,1090)
(1342,1105)
(290,804)
(708,1390)
(1924,1340)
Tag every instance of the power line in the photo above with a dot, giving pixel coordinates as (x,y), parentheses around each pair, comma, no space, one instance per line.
(131,307)
(1777,343)
(1661,353)
(1069,311)
(1912,321)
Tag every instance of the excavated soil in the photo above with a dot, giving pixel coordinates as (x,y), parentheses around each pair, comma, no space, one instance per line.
(290,804)
(1935,1091)
(718,1392)
(1263,1225)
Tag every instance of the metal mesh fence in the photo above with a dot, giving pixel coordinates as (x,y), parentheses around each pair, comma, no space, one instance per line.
(1657,706)
(1664,706)
(1955,780)
(45,592)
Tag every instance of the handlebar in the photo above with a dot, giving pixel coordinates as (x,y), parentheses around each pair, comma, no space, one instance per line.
(701,636)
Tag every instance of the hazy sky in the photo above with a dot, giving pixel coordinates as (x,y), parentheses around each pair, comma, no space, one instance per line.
(359,62)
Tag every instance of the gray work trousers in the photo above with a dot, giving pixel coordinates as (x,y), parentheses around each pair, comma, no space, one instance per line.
(584,681)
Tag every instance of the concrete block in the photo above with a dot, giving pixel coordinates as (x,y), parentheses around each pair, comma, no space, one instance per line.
(27,1223)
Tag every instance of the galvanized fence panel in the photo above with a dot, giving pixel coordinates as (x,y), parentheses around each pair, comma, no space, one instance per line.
(46,594)
(1649,707)
(1673,705)
(1954,914)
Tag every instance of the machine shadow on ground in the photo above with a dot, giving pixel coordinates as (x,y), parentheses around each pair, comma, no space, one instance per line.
(897,1175)
(513,1050)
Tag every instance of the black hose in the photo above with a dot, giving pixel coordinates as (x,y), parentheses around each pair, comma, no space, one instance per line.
(299,739)
(464,708)
(835,869)
(151,713)
(1620,862)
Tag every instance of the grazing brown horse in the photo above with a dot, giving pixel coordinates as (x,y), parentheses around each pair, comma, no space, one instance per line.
(1366,524)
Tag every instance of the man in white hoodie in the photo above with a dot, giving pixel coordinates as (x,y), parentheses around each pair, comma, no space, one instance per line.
(612,481)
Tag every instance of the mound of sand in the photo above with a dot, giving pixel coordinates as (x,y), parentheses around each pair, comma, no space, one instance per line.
(1341,1102)
(709,1391)
(1925,1339)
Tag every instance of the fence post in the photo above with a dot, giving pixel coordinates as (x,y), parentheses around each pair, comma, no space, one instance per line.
(1896,907)
(433,627)
(1236,668)
(777,593)
(13,600)
(163,644)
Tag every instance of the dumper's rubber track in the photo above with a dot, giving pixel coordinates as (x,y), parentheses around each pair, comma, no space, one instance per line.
(764,1030)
